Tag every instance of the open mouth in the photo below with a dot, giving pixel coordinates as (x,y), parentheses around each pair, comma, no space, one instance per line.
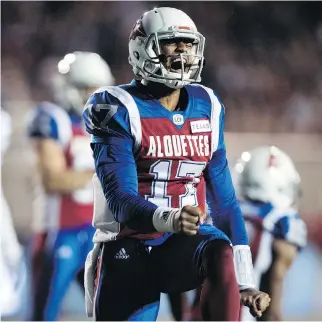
(176,65)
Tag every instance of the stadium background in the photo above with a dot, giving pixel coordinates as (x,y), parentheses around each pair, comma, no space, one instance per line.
(264,59)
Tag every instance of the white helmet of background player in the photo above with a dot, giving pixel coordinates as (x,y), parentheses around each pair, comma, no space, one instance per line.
(267,174)
(81,74)
(146,58)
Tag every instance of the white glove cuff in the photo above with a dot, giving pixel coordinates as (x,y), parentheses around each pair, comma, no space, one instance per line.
(164,219)
(243,267)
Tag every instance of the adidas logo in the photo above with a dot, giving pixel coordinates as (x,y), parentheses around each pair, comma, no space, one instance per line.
(122,254)
(166,215)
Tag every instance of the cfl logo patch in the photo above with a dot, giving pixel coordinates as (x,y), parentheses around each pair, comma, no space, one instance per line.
(178,119)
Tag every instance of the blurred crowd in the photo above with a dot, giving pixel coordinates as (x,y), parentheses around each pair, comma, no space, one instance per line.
(264,60)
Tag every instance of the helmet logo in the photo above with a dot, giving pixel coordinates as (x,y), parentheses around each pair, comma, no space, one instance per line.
(137,30)
(136,55)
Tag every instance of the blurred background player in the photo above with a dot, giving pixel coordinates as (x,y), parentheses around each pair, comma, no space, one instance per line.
(267,186)
(12,267)
(268,189)
(66,166)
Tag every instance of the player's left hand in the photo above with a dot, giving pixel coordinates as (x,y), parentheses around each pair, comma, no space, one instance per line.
(189,220)
(256,300)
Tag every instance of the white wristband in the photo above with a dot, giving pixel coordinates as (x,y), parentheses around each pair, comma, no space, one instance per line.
(164,219)
(244,267)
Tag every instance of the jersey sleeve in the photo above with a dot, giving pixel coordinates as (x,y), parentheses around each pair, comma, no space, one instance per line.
(114,139)
(220,193)
(48,121)
(291,229)
(105,116)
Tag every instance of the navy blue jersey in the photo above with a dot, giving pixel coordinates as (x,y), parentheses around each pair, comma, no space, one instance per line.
(147,156)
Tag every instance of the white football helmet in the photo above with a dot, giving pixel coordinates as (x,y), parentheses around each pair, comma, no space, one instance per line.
(81,72)
(144,47)
(267,174)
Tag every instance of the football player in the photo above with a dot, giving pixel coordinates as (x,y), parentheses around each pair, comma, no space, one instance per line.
(67,167)
(268,187)
(159,148)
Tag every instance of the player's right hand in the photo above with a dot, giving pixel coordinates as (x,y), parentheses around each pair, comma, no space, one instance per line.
(189,220)
(256,300)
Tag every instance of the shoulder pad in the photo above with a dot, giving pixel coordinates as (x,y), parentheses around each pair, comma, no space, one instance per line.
(112,111)
(50,121)
(216,118)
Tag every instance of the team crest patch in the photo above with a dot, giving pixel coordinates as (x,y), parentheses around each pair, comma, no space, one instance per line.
(178,119)
(200,126)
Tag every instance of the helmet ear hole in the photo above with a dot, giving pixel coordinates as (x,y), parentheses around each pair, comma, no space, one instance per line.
(148,66)
(136,55)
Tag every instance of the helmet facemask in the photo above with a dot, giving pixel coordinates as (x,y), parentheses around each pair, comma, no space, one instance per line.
(177,69)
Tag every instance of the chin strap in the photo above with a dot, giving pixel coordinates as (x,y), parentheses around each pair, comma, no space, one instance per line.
(243,267)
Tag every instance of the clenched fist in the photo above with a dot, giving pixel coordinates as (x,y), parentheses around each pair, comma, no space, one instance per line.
(189,220)
(257,301)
